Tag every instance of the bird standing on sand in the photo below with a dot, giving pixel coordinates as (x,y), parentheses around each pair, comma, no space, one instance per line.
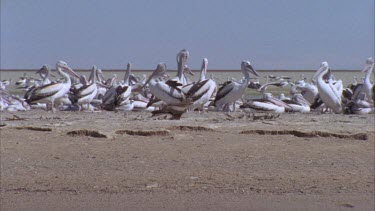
(231,91)
(50,92)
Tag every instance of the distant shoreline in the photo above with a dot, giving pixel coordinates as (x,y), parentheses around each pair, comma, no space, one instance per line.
(143,70)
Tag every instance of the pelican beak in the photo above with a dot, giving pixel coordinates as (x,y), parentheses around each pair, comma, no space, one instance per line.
(161,68)
(71,72)
(251,70)
(101,76)
(367,67)
(103,85)
(149,78)
(39,71)
(187,69)
(318,71)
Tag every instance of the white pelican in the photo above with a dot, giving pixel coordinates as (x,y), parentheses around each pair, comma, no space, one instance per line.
(142,106)
(359,106)
(125,91)
(4,83)
(280,84)
(298,106)
(366,86)
(50,92)
(261,105)
(163,91)
(327,91)
(22,82)
(176,101)
(117,95)
(270,98)
(201,92)
(231,91)
(308,91)
(44,72)
(86,93)
(11,103)
(100,78)
(109,99)
(180,79)
(98,74)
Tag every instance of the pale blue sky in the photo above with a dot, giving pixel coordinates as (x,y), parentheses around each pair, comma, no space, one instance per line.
(272,34)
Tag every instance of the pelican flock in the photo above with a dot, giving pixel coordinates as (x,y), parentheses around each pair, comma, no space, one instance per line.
(161,94)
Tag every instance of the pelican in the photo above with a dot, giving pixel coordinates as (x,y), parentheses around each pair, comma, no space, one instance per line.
(280,84)
(50,92)
(231,91)
(359,106)
(109,100)
(308,91)
(12,103)
(98,74)
(366,85)
(22,81)
(44,72)
(176,101)
(180,79)
(100,78)
(86,93)
(261,105)
(125,91)
(270,98)
(163,91)
(298,104)
(327,91)
(4,83)
(201,92)
(142,106)
(117,95)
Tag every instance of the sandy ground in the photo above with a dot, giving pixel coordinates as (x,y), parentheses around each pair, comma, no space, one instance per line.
(105,160)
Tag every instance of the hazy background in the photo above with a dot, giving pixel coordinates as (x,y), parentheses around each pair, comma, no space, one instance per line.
(278,34)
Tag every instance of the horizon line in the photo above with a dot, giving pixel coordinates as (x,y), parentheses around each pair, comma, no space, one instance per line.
(193,70)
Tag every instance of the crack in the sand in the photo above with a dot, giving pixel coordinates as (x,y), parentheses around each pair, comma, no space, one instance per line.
(91,133)
(357,136)
(144,132)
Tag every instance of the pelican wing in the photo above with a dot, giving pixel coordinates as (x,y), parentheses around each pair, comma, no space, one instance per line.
(336,92)
(152,101)
(317,102)
(279,103)
(253,85)
(43,92)
(259,105)
(109,96)
(85,90)
(291,102)
(357,89)
(29,92)
(224,90)
(121,89)
(171,91)
(198,90)
(347,93)
(173,83)
(300,99)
